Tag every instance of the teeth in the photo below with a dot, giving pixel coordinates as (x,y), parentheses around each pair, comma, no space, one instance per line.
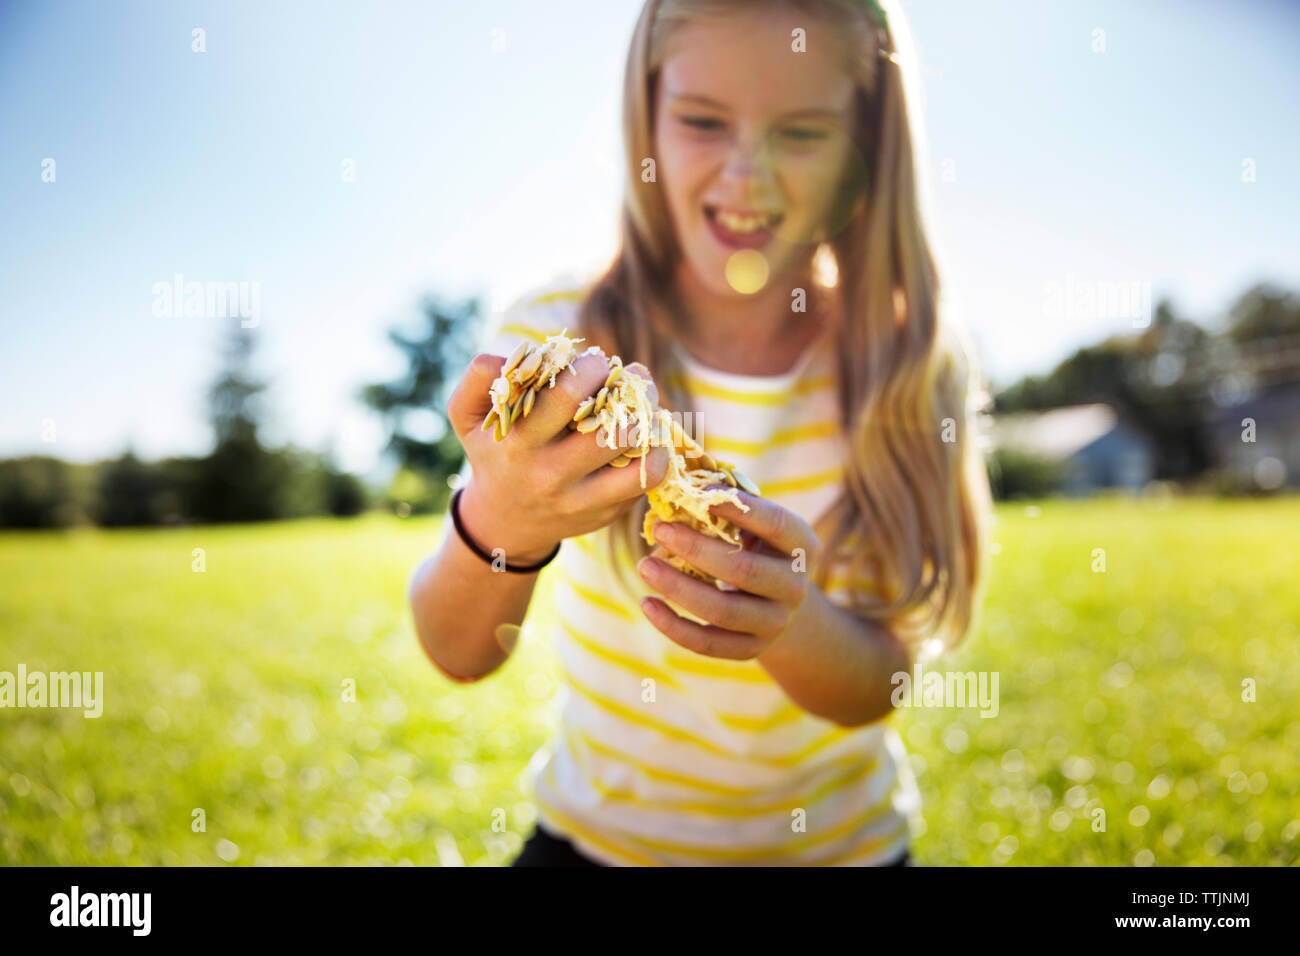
(743,224)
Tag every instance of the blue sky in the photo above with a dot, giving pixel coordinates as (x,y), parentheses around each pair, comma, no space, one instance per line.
(482,172)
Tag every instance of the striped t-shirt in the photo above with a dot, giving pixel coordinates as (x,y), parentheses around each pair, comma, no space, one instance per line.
(666,757)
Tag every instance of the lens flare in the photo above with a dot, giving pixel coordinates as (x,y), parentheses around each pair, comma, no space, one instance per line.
(747,271)
(507,636)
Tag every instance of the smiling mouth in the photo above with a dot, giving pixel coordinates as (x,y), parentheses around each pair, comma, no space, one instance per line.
(742,223)
(741,230)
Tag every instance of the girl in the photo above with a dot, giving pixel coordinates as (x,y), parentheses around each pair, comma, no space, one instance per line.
(776,279)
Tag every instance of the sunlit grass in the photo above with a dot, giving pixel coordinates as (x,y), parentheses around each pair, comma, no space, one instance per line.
(1122,691)
(225,693)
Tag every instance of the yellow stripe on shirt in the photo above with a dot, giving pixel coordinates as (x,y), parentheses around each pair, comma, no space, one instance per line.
(786,436)
(672,732)
(701,389)
(522,330)
(816,479)
(730,808)
(560,295)
(870,848)
(788,714)
(573,829)
(746,671)
(773,852)
(641,669)
(621,851)
(727,791)
(593,597)
(667,776)
(637,667)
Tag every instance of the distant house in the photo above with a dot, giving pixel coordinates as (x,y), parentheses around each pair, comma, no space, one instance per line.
(1094,448)
(1257,439)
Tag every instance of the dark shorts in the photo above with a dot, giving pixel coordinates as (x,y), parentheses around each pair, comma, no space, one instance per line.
(542,849)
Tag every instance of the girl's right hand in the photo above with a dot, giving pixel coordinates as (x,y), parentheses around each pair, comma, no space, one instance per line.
(542,483)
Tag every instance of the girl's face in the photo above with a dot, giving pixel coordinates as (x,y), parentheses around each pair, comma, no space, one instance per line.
(752,140)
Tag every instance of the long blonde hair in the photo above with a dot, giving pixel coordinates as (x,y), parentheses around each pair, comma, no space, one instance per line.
(912,516)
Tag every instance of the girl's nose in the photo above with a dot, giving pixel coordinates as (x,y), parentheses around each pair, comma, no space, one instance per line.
(750,161)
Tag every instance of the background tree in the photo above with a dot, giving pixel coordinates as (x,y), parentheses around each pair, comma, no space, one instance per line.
(39,492)
(240,480)
(436,358)
(1264,312)
(1156,380)
(1260,349)
(132,492)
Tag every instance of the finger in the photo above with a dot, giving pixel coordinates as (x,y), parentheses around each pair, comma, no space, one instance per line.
(762,574)
(469,404)
(555,403)
(636,368)
(750,542)
(732,611)
(622,484)
(628,435)
(575,455)
(703,639)
(782,529)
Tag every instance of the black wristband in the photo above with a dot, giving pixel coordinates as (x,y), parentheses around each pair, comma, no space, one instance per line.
(469,543)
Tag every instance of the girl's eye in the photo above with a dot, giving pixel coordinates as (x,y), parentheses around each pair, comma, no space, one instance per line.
(708,124)
(803,134)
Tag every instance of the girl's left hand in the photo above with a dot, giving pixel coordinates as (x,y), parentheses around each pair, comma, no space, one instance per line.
(744,623)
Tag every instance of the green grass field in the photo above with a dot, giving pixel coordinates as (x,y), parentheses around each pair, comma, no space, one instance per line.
(224,693)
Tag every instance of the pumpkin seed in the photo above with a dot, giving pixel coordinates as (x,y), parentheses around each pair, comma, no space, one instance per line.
(746,482)
(707,461)
(516,357)
(497,432)
(614,375)
(601,396)
(588,425)
(487,421)
(529,397)
(529,366)
(516,408)
(622,461)
(584,409)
